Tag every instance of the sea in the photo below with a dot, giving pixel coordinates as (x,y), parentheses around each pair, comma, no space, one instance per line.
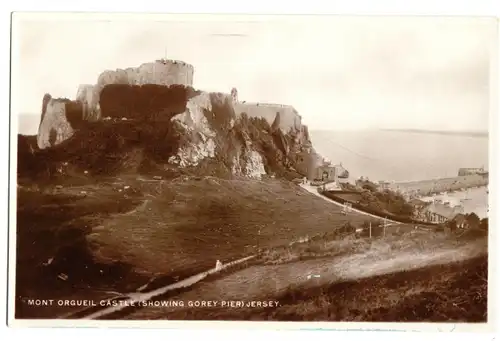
(408,156)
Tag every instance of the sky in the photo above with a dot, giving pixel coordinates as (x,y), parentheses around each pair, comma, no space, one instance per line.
(339,72)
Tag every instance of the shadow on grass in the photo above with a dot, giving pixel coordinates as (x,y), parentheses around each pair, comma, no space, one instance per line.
(53,257)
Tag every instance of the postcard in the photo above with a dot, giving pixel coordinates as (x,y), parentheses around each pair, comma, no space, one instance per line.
(179,170)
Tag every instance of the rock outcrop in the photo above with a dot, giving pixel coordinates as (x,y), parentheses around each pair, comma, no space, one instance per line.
(198,135)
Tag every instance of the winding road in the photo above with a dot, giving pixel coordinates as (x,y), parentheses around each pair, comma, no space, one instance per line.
(314,190)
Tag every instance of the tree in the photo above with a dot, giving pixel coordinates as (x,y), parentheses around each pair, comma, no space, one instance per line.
(369,186)
(451,224)
(484,224)
(407,210)
(472,220)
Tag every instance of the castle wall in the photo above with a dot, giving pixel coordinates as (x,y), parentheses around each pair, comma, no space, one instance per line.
(54,127)
(159,72)
(87,94)
(289,118)
(307,163)
(147,101)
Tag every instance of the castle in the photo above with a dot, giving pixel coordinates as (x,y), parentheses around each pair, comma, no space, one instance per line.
(57,114)
(160,72)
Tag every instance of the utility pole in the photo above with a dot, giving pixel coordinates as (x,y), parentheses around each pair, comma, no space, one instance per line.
(370,230)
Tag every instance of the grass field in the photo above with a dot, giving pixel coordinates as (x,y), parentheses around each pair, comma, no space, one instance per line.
(107,237)
(112,237)
(419,278)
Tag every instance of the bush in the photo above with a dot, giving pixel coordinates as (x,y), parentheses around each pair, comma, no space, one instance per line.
(484,224)
(370,209)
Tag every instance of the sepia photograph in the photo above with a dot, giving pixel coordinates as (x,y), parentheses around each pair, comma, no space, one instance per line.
(284,168)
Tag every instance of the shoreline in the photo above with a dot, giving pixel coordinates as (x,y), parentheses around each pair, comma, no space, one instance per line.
(471,199)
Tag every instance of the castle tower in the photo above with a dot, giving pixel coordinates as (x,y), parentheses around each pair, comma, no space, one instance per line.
(234,95)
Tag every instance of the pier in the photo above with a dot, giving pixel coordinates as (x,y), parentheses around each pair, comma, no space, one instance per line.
(432,186)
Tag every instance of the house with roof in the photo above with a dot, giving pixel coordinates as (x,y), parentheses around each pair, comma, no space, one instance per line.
(419,208)
(384,185)
(328,172)
(439,212)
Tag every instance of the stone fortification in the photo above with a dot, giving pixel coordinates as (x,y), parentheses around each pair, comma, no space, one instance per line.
(54,111)
(160,72)
(289,117)
(54,126)
(198,125)
(88,95)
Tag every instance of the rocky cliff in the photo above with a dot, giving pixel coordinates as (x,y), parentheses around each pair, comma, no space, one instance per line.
(168,130)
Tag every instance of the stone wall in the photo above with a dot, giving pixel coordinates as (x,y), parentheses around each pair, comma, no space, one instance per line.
(307,162)
(289,118)
(143,102)
(160,72)
(426,187)
(89,97)
(54,126)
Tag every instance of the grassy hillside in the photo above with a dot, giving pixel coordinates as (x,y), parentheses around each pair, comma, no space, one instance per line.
(114,238)
(425,277)
(453,292)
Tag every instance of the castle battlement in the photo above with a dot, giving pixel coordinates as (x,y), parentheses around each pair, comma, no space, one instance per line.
(174,61)
(161,72)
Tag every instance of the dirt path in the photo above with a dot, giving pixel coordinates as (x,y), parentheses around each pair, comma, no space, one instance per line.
(314,190)
(139,208)
(268,281)
(138,297)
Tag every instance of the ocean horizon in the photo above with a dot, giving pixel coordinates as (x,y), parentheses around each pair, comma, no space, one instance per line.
(408,156)
(402,155)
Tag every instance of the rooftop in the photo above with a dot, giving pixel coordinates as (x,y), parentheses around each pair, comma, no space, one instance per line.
(418,202)
(442,210)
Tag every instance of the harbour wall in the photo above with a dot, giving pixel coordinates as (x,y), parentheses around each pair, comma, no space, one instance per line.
(427,187)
